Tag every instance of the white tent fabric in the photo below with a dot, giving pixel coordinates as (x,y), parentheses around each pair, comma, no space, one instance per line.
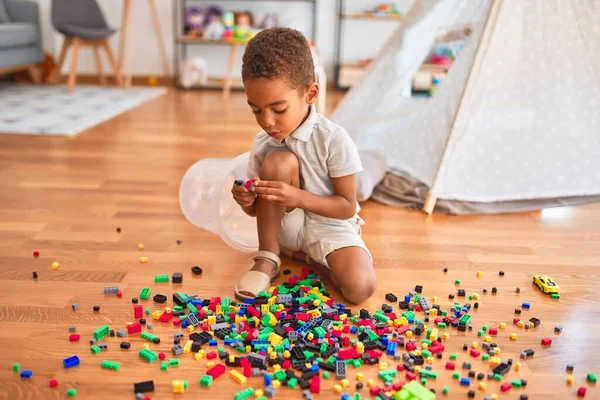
(518,116)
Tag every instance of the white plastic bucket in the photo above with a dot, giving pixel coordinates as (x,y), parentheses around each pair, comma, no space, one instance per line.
(206,201)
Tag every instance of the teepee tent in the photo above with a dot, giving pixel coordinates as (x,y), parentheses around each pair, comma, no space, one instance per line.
(516,123)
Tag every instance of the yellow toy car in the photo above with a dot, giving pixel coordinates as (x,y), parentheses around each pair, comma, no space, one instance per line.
(546,284)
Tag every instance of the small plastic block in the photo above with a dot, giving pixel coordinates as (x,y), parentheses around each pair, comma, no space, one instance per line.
(546,342)
(53,383)
(206,381)
(71,362)
(196,270)
(570,379)
(16,367)
(74,337)
(505,387)
(591,378)
(55,265)
(465,381)
(570,367)
(35,275)
(144,260)
(36,253)
(581,392)
(526,305)
(96,308)
(26,373)
(106,364)
(71,392)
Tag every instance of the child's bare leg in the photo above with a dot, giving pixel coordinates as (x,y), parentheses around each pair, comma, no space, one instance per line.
(277,166)
(353,274)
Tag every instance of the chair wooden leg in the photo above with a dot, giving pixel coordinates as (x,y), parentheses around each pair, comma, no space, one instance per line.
(113,62)
(101,76)
(34,74)
(55,77)
(74,60)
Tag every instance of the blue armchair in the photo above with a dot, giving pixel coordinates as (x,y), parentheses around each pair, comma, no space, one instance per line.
(20,37)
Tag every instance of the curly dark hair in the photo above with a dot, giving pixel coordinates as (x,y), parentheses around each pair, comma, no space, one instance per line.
(279,52)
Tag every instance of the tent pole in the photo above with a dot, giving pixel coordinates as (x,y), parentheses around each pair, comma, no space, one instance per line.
(431,198)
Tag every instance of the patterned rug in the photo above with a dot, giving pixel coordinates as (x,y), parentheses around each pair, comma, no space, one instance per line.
(50,110)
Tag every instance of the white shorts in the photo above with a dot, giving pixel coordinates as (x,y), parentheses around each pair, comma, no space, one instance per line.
(319,238)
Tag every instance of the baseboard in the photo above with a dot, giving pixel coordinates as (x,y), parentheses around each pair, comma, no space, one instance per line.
(137,80)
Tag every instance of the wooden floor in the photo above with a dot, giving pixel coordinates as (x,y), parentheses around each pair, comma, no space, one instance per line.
(66,196)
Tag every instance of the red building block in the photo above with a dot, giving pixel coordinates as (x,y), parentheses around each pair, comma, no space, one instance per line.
(162,355)
(348,354)
(216,371)
(516,321)
(410,346)
(410,376)
(436,348)
(211,356)
(581,392)
(346,329)
(138,311)
(286,363)
(315,385)
(346,341)
(176,321)
(493,331)
(136,327)
(505,387)
(546,342)
(36,253)
(375,391)
(119,294)
(397,386)
(166,316)
(475,353)
(248,371)
(450,366)
(53,383)
(400,367)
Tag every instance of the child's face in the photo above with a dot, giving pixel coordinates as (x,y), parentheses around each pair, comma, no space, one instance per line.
(278,109)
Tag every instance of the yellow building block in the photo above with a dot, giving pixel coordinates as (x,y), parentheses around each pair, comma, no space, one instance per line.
(494,396)
(345,383)
(275,339)
(258,393)
(482,386)
(360,377)
(190,328)
(479,273)
(316,303)
(273,355)
(570,379)
(417,369)
(211,320)
(488,339)
(210,364)
(156,314)
(495,361)
(433,312)
(370,383)
(446,336)
(272,300)
(434,299)
(383,364)
(178,386)
(360,347)
(517,366)
(429,360)
(276,367)
(520,324)
(55,265)
(188,347)
(476,296)
(143,260)
(140,247)
(474,345)
(513,336)
(424,346)
(337,388)
(287,354)
(433,336)
(248,349)
(219,310)
(146,346)
(310,336)
(237,377)
(275,384)
(409,334)
(497,350)
(264,308)
(308,365)
(502,325)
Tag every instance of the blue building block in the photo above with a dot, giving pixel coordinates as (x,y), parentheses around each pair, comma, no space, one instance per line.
(526,305)
(407,298)
(242,312)
(26,373)
(71,362)
(228,342)
(354,329)
(391,348)
(345,396)
(250,301)
(465,381)
(268,380)
(185,324)
(213,342)
(385,340)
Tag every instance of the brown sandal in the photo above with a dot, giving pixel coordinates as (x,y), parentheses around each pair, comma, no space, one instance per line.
(254,282)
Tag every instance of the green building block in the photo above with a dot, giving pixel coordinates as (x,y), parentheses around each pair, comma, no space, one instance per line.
(484,328)
(110,365)
(192,308)
(71,392)
(16,367)
(206,380)
(408,315)
(95,349)
(177,308)
(414,391)
(445,390)
(423,381)
(356,396)
(591,378)
(326,375)
(388,373)
(244,394)
(470,297)
(164,365)
(148,355)
(148,310)
(357,363)
(279,375)
(456,375)
(292,383)
(480,332)
(426,353)
(457,282)
(441,325)
(145,293)
(148,336)
(498,377)
(444,313)
(453,356)
(516,383)
(174,362)
(485,357)
(555,296)
(428,374)
(427,340)
(101,332)
(161,278)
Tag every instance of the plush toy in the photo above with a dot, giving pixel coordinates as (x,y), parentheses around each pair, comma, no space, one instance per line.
(213,26)
(243,24)
(194,21)
(228,21)
(195,71)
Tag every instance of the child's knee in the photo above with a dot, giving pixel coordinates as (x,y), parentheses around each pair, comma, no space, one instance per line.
(359,291)
(278,165)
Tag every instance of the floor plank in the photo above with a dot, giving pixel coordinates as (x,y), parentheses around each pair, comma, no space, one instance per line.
(66,196)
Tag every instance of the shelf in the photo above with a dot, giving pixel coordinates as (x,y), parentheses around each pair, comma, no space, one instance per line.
(199,40)
(372,16)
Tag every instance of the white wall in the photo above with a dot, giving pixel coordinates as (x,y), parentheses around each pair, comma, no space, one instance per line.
(362,38)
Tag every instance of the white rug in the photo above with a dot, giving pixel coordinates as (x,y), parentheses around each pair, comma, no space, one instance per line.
(50,110)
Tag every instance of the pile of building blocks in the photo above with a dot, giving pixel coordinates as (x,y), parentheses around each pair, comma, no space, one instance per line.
(296,335)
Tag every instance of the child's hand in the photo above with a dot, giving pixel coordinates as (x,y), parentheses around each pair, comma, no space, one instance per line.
(242,196)
(279,193)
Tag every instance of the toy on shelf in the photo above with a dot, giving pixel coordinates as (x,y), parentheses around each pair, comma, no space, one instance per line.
(214,28)
(228,21)
(244,22)
(194,21)
(385,10)
(546,284)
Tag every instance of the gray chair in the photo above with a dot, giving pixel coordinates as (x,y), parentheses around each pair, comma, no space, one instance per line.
(20,38)
(83,24)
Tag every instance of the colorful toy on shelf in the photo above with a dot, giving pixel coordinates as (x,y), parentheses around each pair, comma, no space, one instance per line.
(214,27)
(546,284)
(228,21)
(194,21)
(244,22)
(385,10)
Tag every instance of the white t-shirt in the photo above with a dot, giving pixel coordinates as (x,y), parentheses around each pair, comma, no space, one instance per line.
(324,151)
